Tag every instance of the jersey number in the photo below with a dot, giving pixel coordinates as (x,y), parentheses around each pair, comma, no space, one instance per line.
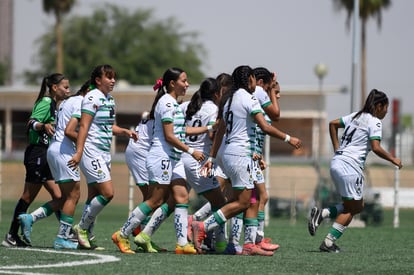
(347,137)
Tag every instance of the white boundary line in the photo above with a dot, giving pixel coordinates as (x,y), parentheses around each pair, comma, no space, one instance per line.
(11,269)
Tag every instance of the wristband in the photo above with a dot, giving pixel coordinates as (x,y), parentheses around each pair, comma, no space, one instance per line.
(210,128)
(287,138)
(212,160)
(34,125)
(190,150)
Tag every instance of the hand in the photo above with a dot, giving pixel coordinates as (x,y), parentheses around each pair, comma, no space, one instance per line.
(256,156)
(49,129)
(206,169)
(133,135)
(295,142)
(198,155)
(74,161)
(397,162)
(262,164)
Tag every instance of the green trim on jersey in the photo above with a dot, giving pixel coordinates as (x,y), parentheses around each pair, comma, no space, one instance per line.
(266,104)
(375,138)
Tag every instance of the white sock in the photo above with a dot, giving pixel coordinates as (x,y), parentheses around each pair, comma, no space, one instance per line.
(38,214)
(181,223)
(155,222)
(134,219)
(203,212)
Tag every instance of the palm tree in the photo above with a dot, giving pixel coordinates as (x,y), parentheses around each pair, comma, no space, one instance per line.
(58,7)
(367,9)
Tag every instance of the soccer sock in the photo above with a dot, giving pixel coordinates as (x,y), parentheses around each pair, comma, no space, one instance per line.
(42,212)
(181,223)
(159,215)
(203,212)
(214,220)
(220,233)
(95,207)
(333,211)
(145,222)
(236,226)
(260,229)
(65,225)
(135,218)
(250,230)
(335,233)
(21,208)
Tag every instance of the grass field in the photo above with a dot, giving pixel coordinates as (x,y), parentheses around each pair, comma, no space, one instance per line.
(370,250)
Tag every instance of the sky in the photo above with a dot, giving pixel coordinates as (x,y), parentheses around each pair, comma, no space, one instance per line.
(289,37)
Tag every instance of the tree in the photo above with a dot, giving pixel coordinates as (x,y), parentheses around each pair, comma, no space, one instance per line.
(139,48)
(58,7)
(367,9)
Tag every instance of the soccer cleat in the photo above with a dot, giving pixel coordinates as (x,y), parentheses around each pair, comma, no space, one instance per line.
(189,229)
(94,244)
(199,234)
(253,250)
(83,238)
(122,243)
(26,222)
(233,249)
(314,220)
(221,247)
(332,249)
(186,249)
(61,243)
(13,241)
(268,246)
(144,241)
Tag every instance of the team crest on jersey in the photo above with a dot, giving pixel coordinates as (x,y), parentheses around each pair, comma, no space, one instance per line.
(101,174)
(168,105)
(379,125)
(165,176)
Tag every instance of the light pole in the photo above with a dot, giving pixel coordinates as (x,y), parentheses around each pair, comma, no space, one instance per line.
(321,70)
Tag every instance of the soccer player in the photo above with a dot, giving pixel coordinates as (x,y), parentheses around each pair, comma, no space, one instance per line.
(40,128)
(93,148)
(164,167)
(363,133)
(240,114)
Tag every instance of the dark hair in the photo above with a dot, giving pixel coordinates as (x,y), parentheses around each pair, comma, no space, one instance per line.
(374,98)
(225,82)
(48,82)
(208,88)
(99,71)
(171,74)
(264,74)
(84,88)
(240,78)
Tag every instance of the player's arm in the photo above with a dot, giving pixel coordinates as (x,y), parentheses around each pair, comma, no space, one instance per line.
(379,151)
(334,125)
(71,129)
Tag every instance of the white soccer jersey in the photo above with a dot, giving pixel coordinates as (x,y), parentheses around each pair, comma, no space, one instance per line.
(168,110)
(240,125)
(355,142)
(102,108)
(61,148)
(205,116)
(136,152)
(68,109)
(264,101)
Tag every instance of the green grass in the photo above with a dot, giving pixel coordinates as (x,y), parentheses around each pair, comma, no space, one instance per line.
(370,250)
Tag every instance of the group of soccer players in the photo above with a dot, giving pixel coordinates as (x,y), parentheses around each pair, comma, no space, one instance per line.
(212,144)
